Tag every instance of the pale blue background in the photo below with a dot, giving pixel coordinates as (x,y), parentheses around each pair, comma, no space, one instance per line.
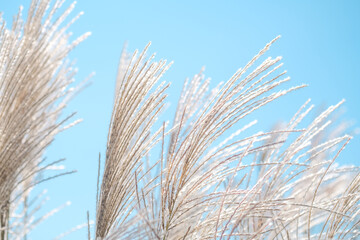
(320,45)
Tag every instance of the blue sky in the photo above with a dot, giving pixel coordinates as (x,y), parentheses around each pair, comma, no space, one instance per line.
(319,44)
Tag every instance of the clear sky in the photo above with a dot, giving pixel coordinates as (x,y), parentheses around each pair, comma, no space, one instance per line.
(320,46)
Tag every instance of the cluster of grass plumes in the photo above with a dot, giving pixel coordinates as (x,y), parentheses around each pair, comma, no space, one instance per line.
(34,89)
(211,180)
(282,184)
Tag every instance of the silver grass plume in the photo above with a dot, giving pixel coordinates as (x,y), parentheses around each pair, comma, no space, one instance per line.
(129,139)
(282,184)
(34,89)
(270,185)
